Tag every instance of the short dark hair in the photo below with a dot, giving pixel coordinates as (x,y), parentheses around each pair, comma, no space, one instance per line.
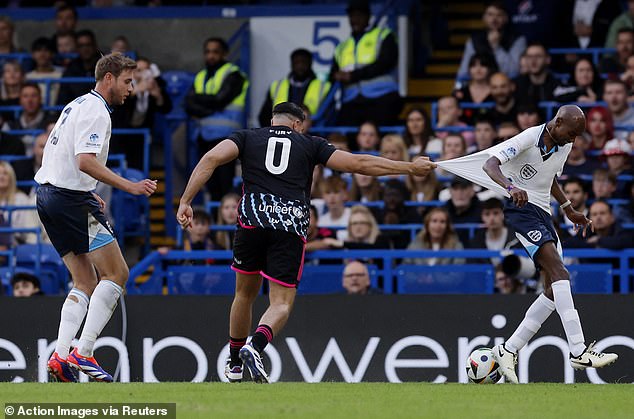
(289,108)
(64,7)
(26,277)
(602,201)
(86,33)
(201,215)
(492,203)
(114,63)
(302,52)
(43,43)
(625,30)
(31,84)
(220,41)
(578,181)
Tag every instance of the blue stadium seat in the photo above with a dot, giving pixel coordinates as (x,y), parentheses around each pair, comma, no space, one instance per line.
(591,278)
(326,279)
(5,280)
(53,274)
(202,280)
(130,210)
(444,279)
(178,84)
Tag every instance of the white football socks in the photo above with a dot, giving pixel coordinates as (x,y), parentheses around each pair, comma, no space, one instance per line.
(569,317)
(535,316)
(102,304)
(73,313)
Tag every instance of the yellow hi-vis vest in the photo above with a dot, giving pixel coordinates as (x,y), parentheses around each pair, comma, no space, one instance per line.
(351,55)
(315,93)
(221,123)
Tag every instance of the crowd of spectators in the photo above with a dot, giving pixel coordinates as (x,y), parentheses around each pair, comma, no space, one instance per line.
(507,68)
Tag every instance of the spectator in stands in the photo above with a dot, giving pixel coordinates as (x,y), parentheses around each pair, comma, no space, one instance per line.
(227,216)
(485,135)
(65,44)
(527,116)
(319,238)
(363,231)
(477,89)
(607,234)
(600,126)
(604,184)
(82,66)
(591,21)
(338,140)
(25,285)
(539,84)
(122,45)
(502,90)
(628,78)
(453,146)
(26,169)
(32,116)
(449,114)
(423,188)
(217,101)
(617,64)
(506,284)
(365,188)
(307,123)
(418,134)
(198,236)
(617,156)
(65,22)
(507,130)
(42,52)
(623,21)
(615,95)
(539,20)
(630,139)
(12,81)
(463,205)
(368,137)
(7,29)
(335,194)
(356,279)
(394,211)
(497,39)
(11,196)
(495,235)
(577,164)
(585,84)
(148,99)
(364,64)
(393,148)
(301,86)
(437,234)
(575,191)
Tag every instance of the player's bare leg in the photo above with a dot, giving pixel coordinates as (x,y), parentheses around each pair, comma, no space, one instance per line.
(281,301)
(247,289)
(113,274)
(73,314)
(581,356)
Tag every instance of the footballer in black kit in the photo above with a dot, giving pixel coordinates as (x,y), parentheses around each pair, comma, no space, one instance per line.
(273,214)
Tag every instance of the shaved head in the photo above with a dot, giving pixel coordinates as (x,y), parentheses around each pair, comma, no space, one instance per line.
(568,124)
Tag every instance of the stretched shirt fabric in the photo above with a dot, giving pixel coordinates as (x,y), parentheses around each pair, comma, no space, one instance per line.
(277,172)
(525,162)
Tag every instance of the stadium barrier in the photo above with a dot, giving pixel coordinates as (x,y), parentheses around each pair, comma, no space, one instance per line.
(388,267)
(394,338)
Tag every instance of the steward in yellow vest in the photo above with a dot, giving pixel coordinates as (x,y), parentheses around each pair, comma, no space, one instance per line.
(365,65)
(300,87)
(218,95)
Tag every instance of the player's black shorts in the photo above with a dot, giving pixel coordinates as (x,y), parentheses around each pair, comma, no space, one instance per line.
(533,227)
(275,254)
(72,219)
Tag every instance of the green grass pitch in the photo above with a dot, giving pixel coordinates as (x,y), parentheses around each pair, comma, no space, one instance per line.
(341,400)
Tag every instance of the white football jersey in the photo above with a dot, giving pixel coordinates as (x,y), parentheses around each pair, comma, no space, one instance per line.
(83,127)
(524,162)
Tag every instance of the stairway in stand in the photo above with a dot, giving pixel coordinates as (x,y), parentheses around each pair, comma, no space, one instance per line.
(158,233)
(462,17)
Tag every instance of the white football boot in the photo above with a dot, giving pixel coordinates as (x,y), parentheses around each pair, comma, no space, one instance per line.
(507,361)
(592,359)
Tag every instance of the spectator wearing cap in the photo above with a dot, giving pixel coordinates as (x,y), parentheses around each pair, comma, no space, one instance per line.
(25,285)
(42,53)
(365,65)
(301,86)
(463,205)
(616,153)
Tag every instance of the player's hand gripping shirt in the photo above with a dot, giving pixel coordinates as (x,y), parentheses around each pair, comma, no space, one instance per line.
(524,161)
(277,172)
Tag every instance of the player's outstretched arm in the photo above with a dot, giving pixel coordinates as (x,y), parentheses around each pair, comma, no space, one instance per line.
(223,153)
(369,165)
(88,164)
